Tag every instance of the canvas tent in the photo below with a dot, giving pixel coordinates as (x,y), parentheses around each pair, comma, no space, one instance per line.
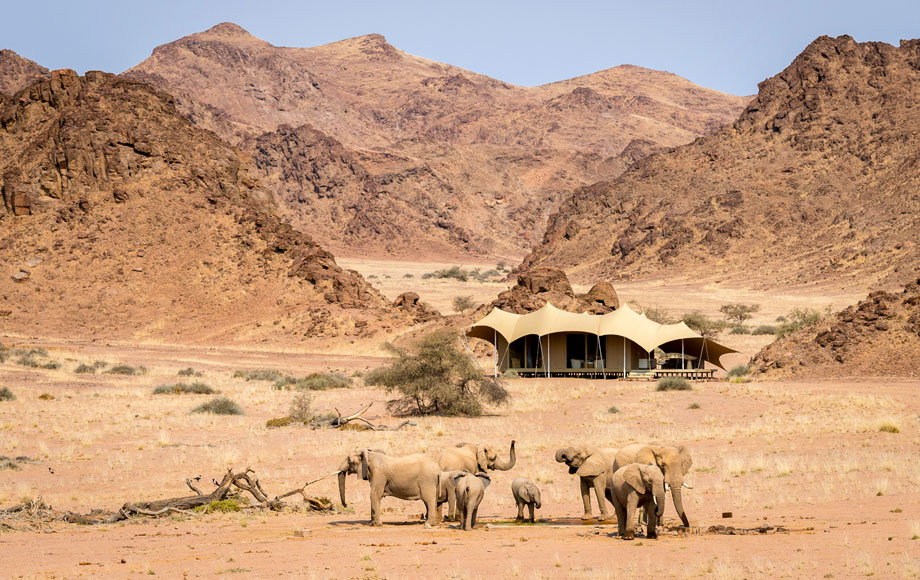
(554,341)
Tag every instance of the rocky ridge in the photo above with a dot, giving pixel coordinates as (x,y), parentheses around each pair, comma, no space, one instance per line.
(16,73)
(817,181)
(130,222)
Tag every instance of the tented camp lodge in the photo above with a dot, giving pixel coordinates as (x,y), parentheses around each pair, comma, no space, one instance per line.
(620,344)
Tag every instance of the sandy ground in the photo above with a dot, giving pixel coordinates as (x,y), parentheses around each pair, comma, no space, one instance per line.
(807,456)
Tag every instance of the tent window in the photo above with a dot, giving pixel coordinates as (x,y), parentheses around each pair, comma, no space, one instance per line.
(575,350)
(516,354)
(533,355)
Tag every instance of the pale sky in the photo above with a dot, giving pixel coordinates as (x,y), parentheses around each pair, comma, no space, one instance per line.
(729,46)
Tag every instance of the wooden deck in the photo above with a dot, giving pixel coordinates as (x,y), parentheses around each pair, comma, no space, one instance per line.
(693,374)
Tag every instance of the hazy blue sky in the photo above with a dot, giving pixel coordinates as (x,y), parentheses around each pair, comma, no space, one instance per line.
(729,46)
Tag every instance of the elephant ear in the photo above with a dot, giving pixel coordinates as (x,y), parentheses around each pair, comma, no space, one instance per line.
(594,464)
(482,459)
(485,479)
(686,462)
(364,464)
(524,493)
(456,476)
(633,476)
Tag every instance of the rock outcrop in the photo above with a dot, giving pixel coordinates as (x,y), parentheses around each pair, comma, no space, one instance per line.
(409,303)
(17,73)
(538,286)
(880,336)
(818,181)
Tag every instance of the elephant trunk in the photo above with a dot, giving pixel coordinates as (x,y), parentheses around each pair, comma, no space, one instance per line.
(342,488)
(660,500)
(506,465)
(536,500)
(679,504)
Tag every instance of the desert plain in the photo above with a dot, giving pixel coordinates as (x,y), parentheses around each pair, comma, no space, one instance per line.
(820,476)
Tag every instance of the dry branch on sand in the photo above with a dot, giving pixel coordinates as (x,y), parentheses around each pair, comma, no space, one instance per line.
(36,513)
(354,421)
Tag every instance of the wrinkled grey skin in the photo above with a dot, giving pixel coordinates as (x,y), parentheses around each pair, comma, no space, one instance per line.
(409,477)
(526,493)
(632,487)
(473,458)
(593,467)
(447,487)
(470,490)
(674,462)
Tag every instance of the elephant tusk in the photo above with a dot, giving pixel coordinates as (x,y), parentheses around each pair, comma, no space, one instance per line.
(655,499)
(687,485)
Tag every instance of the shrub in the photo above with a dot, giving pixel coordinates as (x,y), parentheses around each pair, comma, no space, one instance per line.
(84,369)
(258,375)
(738,371)
(126,370)
(694,406)
(219,406)
(673,384)
(510,374)
(462,303)
(302,408)
(739,329)
(703,324)
(889,427)
(52,365)
(6,394)
(798,319)
(407,275)
(279,422)
(314,382)
(613,410)
(46,397)
(739,312)
(500,266)
(196,388)
(190,372)
(27,361)
(654,313)
(437,378)
(764,329)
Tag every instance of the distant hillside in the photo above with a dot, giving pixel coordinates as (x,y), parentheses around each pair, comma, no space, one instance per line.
(122,220)
(479,163)
(817,182)
(16,73)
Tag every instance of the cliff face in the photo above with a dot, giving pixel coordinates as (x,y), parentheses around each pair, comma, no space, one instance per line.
(465,164)
(16,73)
(121,219)
(816,182)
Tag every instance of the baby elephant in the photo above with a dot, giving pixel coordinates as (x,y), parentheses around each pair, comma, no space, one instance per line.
(633,486)
(527,493)
(470,489)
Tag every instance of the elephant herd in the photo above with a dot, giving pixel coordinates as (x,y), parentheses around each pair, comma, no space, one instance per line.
(630,478)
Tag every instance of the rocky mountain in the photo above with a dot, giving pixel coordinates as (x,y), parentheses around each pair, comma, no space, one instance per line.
(463,164)
(816,182)
(880,336)
(538,286)
(122,220)
(16,73)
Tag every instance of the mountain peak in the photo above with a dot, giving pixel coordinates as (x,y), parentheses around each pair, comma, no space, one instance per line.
(228,30)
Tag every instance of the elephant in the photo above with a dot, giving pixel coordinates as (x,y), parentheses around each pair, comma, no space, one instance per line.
(470,489)
(525,492)
(447,487)
(472,458)
(674,462)
(408,477)
(594,467)
(631,487)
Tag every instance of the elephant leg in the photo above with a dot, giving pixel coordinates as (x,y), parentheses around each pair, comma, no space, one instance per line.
(585,498)
(620,510)
(650,530)
(520,515)
(631,503)
(376,496)
(530,507)
(465,514)
(430,497)
(600,486)
(451,503)
(475,515)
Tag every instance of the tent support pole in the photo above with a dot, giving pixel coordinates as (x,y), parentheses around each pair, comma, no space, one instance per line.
(624,358)
(549,369)
(543,354)
(601,356)
(683,360)
(495,352)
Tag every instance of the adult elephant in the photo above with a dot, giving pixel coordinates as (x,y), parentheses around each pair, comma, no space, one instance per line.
(409,477)
(473,458)
(594,467)
(674,462)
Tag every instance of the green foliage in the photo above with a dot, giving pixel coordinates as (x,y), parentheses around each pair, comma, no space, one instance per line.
(190,372)
(738,313)
(437,378)
(739,329)
(302,408)
(703,324)
(798,319)
(219,406)
(224,505)
(694,406)
(738,371)
(764,329)
(314,382)
(84,368)
(454,272)
(673,384)
(258,375)
(653,313)
(126,370)
(613,410)
(196,388)
(6,394)
(463,303)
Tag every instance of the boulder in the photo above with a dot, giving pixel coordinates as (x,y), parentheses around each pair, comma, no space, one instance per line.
(603,294)
(409,303)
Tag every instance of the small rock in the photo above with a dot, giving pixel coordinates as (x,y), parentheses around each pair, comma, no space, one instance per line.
(141,253)
(137,269)
(21,276)
(32,262)
(489,527)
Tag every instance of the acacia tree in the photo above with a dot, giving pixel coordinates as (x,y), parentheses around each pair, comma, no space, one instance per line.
(739,312)
(436,378)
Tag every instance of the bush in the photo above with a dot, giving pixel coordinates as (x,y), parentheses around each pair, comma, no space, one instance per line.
(46,397)
(126,370)
(196,388)
(258,375)
(654,313)
(85,369)
(190,372)
(613,410)
(314,382)
(6,394)
(52,365)
(694,406)
(704,325)
(764,329)
(302,408)
(889,427)
(279,422)
(798,319)
(219,406)
(739,312)
(673,384)
(740,329)
(408,276)
(463,303)
(437,378)
(738,371)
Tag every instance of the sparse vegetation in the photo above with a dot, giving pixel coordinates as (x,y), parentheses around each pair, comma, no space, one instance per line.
(463,303)
(694,406)
(461,275)
(702,324)
(223,506)
(314,382)
(739,329)
(196,388)
(799,318)
(6,394)
(219,406)
(613,410)
(302,408)
(408,275)
(127,370)
(889,427)
(258,375)
(739,313)
(500,266)
(84,368)
(279,422)
(654,313)
(437,378)
(673,384)
(46,397)
(764,329)
(190,372)
(738,372)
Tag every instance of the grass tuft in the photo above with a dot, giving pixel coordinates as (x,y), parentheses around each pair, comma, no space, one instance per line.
(738,371)
(613,410)
(694,406)
(889,427)
(314,382)
(196,388)
(190,372)
(258,375)
(126,370)
(219,406)
(673,384)
(6,394)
